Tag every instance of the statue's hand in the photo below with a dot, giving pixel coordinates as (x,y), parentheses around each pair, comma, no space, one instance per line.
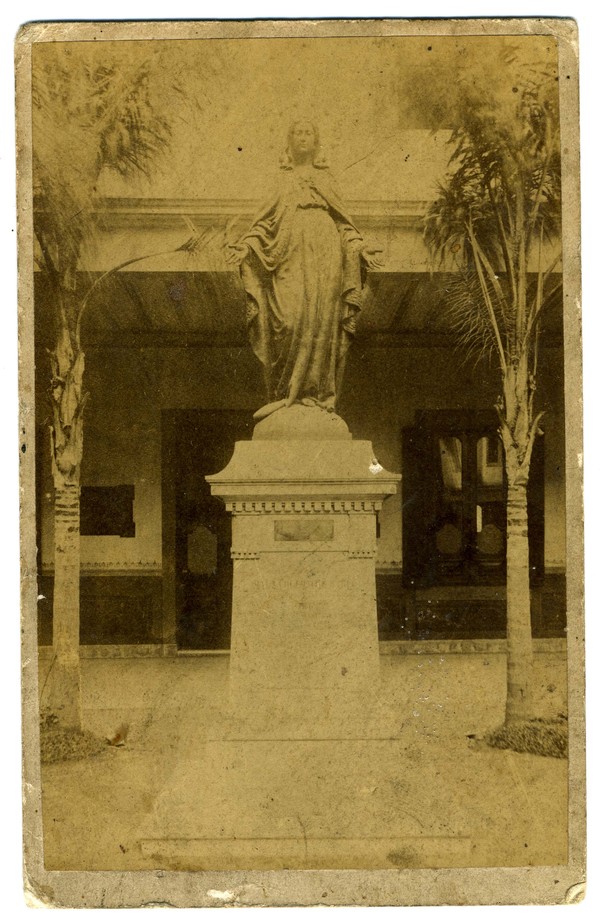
(371,255)
(235,254)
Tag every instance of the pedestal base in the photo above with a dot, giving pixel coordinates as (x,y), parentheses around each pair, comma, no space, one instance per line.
(308,854)
(301,804)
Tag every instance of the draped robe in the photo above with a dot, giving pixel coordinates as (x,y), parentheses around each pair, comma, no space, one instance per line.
(303,280)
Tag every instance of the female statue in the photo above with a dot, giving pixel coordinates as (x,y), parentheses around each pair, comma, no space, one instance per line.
(302,266)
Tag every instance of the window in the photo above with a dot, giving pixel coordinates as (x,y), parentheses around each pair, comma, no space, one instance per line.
(454,501)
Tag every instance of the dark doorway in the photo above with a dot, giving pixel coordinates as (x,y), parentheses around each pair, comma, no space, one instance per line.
(197,529)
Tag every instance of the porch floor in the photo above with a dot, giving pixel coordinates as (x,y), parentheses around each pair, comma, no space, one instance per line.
(514,806)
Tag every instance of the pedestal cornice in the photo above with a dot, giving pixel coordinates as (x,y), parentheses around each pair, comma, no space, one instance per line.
(285,477)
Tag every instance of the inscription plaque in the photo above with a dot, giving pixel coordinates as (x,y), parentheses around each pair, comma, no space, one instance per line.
(303,530)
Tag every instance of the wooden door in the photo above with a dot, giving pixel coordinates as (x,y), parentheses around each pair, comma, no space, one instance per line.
(197,536)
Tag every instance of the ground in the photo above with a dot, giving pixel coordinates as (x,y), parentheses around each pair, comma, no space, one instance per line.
(511,806)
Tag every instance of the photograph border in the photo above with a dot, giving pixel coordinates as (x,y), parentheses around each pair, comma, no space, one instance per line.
(474,886)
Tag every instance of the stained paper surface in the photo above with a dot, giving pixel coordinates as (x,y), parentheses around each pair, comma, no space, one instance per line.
(300,381)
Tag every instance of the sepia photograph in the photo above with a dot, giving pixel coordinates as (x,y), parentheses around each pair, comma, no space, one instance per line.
(301,523)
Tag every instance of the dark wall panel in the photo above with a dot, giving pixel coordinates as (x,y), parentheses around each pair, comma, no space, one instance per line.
(114,610)
(466,612)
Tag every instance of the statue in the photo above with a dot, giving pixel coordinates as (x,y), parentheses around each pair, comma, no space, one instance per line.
(303,264)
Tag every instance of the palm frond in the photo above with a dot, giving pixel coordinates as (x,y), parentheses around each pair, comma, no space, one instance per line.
(501,192)
(92,111)
(468,317)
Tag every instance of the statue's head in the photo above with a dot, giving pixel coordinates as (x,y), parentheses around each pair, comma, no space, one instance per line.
(303,144)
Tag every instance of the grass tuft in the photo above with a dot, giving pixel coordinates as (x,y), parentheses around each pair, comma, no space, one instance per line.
(62,744)
(547,736)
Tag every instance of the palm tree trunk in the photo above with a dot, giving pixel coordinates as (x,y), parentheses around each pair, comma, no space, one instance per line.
(519,644)
(63,688)
(62,691)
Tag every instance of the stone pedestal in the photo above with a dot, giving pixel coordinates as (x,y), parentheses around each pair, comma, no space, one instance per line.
(304,648)
(304,769)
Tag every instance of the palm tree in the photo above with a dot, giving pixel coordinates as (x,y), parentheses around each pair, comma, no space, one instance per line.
(496,221)
(92,111)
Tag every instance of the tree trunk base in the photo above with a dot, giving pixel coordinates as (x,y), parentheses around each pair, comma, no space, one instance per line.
(61,694)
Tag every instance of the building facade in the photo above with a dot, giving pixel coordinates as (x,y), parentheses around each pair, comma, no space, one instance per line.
(173,384)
